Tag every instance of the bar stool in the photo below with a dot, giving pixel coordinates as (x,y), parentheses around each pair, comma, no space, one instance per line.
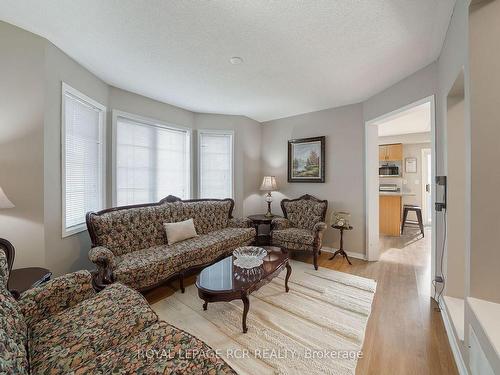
(418,211)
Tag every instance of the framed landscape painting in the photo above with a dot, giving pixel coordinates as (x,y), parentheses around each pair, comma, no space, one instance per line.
(306,160)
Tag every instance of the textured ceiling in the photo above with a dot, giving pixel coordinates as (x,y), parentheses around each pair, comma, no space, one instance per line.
(299,56)
(414,120)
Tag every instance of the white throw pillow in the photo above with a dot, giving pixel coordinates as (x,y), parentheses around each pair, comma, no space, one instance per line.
(180,231)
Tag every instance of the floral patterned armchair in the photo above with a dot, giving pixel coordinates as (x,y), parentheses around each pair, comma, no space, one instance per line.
(65,327)
(302,227)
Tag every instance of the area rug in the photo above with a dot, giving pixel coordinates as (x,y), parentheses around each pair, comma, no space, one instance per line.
(316,328)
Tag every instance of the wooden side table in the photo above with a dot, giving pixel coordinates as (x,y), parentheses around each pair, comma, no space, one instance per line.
(23,279)
(341,249)
(257,220)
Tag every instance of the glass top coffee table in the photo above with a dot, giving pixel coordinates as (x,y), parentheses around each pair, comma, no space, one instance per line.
(223,281)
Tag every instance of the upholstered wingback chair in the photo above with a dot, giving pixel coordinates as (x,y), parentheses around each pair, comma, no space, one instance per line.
(302,227)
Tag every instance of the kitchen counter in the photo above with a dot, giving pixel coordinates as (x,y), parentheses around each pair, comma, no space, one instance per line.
(390,213)
(397,194)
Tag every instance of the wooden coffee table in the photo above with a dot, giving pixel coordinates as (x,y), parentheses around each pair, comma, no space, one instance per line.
(223,281)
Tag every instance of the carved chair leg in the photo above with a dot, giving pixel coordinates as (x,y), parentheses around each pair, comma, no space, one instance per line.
(181,282)
(288,273)
(315,259)
(246,306)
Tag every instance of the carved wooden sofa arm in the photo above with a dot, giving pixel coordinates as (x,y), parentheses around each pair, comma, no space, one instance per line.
(104,259)
(55,296)
(319,230)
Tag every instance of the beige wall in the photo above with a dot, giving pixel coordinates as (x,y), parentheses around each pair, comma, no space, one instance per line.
(21,142)
(344,186)
(140,105)
(455,249)
(70,253)
(419,85)
(485,151)
(452,61)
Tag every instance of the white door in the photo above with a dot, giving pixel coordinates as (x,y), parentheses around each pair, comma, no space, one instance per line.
(426,186)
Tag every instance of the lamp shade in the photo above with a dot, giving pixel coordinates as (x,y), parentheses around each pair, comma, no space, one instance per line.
(269,184)
(4,201)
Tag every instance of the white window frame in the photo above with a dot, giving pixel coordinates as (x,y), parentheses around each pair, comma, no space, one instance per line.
(146,121)
(67,89)
(198,149)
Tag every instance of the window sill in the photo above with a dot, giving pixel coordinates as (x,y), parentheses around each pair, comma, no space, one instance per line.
(67,232)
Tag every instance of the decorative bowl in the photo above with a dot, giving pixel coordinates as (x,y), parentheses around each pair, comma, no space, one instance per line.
(250,252)
(247,274)
(247,262)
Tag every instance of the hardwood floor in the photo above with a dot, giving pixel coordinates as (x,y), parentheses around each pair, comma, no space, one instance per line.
(405,333)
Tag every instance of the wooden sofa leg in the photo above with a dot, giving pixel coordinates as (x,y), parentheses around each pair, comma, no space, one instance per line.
(315,259)
(181,282)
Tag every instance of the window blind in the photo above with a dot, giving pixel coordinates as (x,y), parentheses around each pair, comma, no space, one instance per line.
(215,164)
(152,162)
(83,160)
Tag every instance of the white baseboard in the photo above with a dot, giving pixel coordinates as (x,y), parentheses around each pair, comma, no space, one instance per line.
(454,344)
(328,249)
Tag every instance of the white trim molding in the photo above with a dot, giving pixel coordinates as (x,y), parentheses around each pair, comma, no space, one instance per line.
(67,90)
(454,344)
(371,179)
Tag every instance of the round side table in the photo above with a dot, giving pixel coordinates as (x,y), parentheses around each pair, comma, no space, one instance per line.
(257,220)
(341,251)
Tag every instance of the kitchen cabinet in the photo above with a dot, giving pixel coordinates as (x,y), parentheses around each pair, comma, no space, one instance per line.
(392,152)
(390,215)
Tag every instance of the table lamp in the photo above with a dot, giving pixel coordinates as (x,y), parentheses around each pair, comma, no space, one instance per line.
(269,184)
(4,201)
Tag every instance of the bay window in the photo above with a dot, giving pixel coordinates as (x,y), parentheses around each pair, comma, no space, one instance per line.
(151,160)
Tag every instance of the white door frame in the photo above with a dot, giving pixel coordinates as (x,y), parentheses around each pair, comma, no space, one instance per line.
(425,175)
(371,179)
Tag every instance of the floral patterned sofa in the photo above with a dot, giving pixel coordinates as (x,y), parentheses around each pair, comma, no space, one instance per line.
(302,227)
(64,327)
(130,243)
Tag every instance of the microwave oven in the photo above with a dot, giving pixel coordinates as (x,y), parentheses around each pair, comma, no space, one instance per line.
(388,170)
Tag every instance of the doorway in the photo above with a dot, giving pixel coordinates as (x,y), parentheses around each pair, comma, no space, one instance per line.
(373,243)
